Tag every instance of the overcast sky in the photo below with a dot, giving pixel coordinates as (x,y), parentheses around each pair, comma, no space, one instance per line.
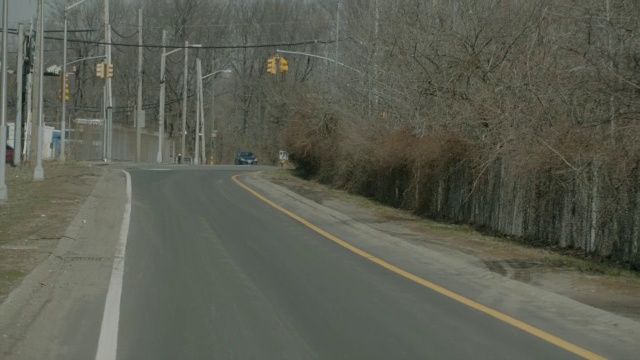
(20,11)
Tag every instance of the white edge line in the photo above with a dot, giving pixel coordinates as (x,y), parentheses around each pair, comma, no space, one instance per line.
(108,340)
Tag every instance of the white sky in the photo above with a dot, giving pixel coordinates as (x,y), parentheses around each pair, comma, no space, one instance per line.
(20,11)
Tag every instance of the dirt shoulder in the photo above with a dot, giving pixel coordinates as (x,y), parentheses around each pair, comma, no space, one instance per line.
(37,215)
(588,282)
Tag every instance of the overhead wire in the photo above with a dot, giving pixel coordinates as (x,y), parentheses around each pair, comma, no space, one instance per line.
(280,23)
(298,43)
(122,36)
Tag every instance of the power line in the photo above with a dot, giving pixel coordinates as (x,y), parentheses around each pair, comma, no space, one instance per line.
(122,36)
(280,23)
(15,31)
(120,109)
(308,42)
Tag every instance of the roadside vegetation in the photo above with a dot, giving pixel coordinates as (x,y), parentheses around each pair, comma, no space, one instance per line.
(486,245)
(516,116)
(37,215)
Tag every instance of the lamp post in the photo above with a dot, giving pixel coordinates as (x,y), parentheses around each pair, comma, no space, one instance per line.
(38,172)
(213,98)
(161,110)
(63,99)
(162,93)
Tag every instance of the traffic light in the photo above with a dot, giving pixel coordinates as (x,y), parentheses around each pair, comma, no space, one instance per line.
(66,87)
(100,70)
(284,66)
(271,66)
(109,70)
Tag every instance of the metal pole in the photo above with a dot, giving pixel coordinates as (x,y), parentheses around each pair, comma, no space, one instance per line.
(38,173)
(213,119)
(196,152)
(107,87)
(203,143)
(139,105)
(184,98)
(104,119)
(17,137)
(28,134)
(319,57)
(63,94)
(110,104)
(4,193)
(161,109)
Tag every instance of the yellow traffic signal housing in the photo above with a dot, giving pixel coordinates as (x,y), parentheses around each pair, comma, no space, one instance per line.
(271,66)
(66,87)
(100,70)
(109,70)
(284,66)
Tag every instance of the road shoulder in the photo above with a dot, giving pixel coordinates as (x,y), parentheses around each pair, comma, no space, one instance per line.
(435,256)
(56,311)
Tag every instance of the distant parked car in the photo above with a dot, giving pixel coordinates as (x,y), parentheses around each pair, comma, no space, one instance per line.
(9,157)
(246,158)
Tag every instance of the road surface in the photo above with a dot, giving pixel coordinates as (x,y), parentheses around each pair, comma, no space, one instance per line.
(217,263)
(212,271)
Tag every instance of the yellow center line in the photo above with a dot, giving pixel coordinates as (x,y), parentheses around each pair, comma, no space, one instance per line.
(586,354)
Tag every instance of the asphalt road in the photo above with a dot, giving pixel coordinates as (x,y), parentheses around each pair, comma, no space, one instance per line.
(238,268)
(213,272)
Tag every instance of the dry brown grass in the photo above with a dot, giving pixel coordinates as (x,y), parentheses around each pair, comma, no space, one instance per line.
(37,215)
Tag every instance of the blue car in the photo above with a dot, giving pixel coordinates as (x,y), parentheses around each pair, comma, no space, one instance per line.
(246,158)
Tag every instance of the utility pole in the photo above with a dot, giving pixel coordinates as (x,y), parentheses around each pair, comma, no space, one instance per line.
(4,193)
(105,101)
(38,173)
(28,134)
(139,105)
(104,119)
(184,98)
(161,109)
(17,137)
(337,37)
(204,153)
(213,98)
(108,98)
(63,95)
(196,154)
(213,117)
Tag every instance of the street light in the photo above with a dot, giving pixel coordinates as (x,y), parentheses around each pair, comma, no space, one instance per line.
(213,98)
(162,93)
(63,99)
(184,95)
(38,172)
